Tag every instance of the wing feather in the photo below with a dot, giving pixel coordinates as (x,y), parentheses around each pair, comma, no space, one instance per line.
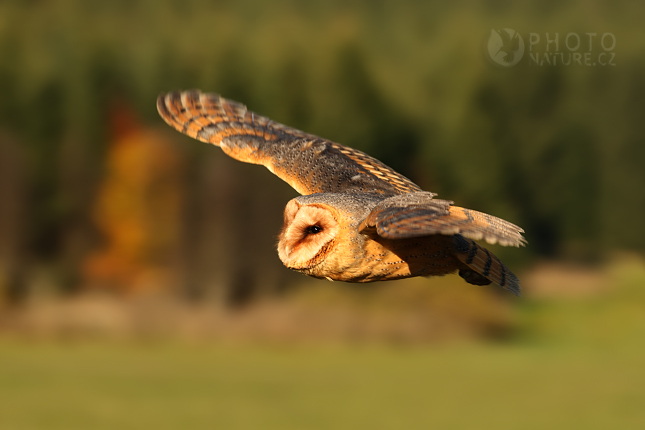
(418,214)
(307,162)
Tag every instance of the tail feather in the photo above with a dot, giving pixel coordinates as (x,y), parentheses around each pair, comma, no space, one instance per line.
(485,264)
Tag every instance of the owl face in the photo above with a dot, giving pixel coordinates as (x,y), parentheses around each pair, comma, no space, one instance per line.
(308,235)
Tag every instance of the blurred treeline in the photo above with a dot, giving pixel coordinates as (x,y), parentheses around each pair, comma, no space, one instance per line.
(95,191)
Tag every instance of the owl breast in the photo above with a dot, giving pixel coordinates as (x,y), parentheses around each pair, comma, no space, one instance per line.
(397,259)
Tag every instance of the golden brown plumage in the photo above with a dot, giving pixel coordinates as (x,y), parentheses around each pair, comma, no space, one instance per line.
(357,219)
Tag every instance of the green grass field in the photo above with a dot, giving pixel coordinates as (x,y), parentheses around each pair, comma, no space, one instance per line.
(112,385)
(574,362)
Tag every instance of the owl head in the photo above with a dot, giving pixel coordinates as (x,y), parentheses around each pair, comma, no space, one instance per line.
(308,234)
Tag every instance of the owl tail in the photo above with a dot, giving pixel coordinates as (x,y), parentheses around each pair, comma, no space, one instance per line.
(483,267)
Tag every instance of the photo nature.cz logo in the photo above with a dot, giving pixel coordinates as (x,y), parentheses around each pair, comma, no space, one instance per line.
(505,48)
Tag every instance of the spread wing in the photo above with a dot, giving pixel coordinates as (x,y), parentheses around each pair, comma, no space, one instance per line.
(418,214)
(308,163)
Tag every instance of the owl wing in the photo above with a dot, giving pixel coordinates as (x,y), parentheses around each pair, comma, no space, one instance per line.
(418,214)
(308,163)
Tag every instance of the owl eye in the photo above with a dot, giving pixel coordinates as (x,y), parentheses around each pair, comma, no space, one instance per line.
(314,229)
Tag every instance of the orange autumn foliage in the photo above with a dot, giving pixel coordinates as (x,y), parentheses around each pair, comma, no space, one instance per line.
(137,210)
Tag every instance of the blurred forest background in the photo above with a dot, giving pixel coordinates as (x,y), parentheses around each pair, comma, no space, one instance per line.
(114,225)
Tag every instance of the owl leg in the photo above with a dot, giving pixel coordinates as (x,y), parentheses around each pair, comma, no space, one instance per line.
(473,277)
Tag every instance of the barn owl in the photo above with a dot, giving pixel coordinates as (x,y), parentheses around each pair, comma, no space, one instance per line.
(356,220)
